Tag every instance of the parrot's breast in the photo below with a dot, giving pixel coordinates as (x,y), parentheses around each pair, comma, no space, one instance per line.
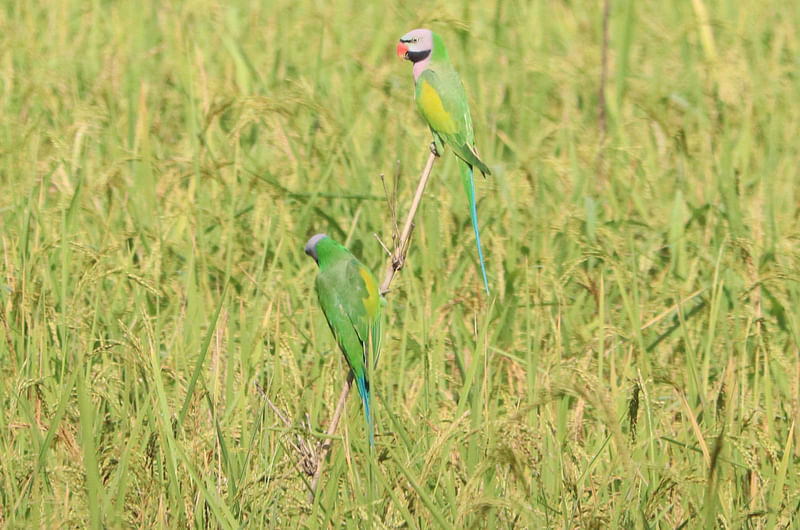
(432,108)
(372,301)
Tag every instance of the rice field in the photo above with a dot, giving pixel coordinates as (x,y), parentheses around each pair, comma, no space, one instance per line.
(165,362)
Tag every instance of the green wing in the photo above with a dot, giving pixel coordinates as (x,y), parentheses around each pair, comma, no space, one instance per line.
(350,300)
(443,103)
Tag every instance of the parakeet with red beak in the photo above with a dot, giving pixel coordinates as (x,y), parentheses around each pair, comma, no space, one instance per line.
(351,303)
(443,103)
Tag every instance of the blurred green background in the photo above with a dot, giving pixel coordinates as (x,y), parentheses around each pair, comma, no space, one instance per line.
(163,164)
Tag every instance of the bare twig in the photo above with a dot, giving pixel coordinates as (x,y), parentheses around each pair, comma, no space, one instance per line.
(308,461)
(395,263)
(326,445)
(401,247)
(384,247)
(393,203)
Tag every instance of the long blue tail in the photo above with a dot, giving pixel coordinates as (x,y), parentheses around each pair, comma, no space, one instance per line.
(363,391)
(469,186)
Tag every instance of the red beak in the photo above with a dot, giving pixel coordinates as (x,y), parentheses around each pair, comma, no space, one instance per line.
(402,50)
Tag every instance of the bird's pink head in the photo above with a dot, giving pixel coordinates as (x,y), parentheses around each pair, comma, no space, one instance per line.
(416,46)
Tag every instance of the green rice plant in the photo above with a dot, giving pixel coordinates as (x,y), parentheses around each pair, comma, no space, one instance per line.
(163,165)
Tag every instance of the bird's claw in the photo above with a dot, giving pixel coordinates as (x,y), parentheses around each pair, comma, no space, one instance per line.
(434,150)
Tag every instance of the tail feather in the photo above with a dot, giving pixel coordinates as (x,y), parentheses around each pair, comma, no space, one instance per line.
(469,186)
(469,155)
(363,391)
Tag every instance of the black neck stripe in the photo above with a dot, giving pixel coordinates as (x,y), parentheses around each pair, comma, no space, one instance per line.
(416,57)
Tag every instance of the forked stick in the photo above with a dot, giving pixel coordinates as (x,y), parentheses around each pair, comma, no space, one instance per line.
(398,258)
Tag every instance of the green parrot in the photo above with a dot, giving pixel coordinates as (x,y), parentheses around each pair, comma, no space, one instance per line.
(351,302)
(443,103)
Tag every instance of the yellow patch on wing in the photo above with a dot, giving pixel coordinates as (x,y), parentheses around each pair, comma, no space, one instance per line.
(431,105)
(372,301)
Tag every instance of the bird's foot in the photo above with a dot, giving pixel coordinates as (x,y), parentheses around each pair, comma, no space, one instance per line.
(434,150)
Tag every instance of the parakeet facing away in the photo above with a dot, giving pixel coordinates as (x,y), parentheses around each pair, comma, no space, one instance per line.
(351,302)
(443,103)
